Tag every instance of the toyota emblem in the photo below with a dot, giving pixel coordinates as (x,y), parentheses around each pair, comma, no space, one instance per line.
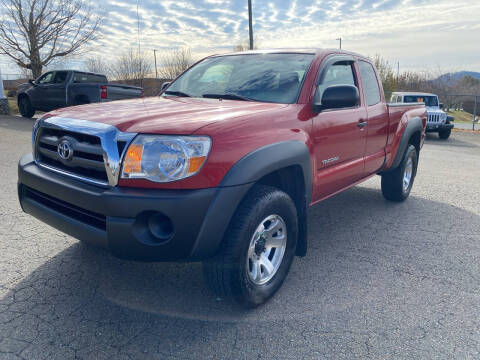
(64,150)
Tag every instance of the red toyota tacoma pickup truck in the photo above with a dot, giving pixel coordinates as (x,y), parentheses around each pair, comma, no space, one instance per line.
(223,166)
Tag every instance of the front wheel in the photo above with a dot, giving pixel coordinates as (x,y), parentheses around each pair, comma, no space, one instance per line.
(397,184)
(25,107)
(257,250)
(445,134)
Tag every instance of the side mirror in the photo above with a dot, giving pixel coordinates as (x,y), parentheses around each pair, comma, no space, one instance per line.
(441,106)
(32,82)
(164,85)
(336,97)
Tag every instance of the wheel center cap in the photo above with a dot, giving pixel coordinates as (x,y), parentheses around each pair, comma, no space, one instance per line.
(260,245)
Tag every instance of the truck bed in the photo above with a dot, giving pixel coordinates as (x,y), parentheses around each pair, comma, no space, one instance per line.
(119,92)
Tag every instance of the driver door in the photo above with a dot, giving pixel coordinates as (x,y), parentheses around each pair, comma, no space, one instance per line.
(339,134)
(38,94)
(56,90)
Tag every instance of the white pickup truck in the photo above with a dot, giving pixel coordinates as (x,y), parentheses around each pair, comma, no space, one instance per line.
(438,120)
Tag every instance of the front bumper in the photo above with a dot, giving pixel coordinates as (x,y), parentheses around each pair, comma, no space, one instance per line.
(130,222)
(436,127)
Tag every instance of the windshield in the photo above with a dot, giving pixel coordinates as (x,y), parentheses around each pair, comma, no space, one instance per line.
(261,77)
(428,100)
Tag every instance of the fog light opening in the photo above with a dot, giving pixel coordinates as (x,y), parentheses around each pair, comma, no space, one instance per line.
(160,227)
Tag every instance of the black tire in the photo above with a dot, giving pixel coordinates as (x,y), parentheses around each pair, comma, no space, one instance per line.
(227,274)
(393,188)
(25,107)
(444,134)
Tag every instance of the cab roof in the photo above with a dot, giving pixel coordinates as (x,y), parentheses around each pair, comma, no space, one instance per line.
(77,71)
(313,51)
(413,93)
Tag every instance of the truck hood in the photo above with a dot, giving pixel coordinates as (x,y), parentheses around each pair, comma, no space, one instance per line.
(434,109)
(23,87)
(164,115)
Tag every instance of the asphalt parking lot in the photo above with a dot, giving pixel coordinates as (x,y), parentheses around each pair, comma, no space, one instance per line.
(380,281)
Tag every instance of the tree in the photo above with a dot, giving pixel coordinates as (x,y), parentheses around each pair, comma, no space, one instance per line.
(413,81)
(98,65)
(468,85)
(387,75)
(132,66)
(245,45)
(175,62)
(33,33)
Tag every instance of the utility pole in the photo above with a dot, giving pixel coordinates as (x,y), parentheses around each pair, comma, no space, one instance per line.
(138,30)
(250,28)
(474,113)
(155,56)
(340,39)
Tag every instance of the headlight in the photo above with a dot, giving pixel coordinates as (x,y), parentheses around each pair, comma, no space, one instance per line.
(443,117)
(163,158)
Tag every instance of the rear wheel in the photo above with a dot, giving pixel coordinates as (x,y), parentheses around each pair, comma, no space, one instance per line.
(445,134)
(25,107)
(257,250)
(397,184)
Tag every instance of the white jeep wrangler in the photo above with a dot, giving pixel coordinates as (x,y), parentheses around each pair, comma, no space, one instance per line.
(438,120)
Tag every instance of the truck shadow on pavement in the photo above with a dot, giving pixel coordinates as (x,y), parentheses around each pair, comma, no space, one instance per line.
(367,258)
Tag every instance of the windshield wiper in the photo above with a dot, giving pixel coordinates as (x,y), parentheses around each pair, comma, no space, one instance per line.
(228,96)
(177,93)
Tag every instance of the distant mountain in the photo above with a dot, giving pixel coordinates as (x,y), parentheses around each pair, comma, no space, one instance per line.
(460,74)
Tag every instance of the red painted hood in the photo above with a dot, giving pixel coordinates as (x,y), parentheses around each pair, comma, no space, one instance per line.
(170,115)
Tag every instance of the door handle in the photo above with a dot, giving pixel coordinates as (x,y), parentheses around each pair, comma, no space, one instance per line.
(362,123)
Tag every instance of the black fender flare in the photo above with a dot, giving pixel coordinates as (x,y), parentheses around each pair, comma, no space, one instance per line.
(265,160)
(239,180)
(413,125)
(23,94)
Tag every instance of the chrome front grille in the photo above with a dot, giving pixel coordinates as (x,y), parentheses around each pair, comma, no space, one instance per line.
(434,118)
(87,159)
(82,149)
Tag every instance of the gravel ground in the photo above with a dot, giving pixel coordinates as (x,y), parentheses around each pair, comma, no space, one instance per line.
(380,280)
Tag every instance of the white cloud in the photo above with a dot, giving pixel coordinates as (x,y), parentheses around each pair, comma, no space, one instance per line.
(417,36)
(417,33)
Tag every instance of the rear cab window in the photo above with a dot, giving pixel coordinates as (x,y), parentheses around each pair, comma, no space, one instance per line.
(370,83)
(79,77)
(429,100)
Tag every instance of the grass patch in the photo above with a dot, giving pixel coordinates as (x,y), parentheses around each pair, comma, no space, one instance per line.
(461,116)
(12,103)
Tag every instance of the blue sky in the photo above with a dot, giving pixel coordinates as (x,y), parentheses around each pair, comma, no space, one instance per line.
(420,34)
